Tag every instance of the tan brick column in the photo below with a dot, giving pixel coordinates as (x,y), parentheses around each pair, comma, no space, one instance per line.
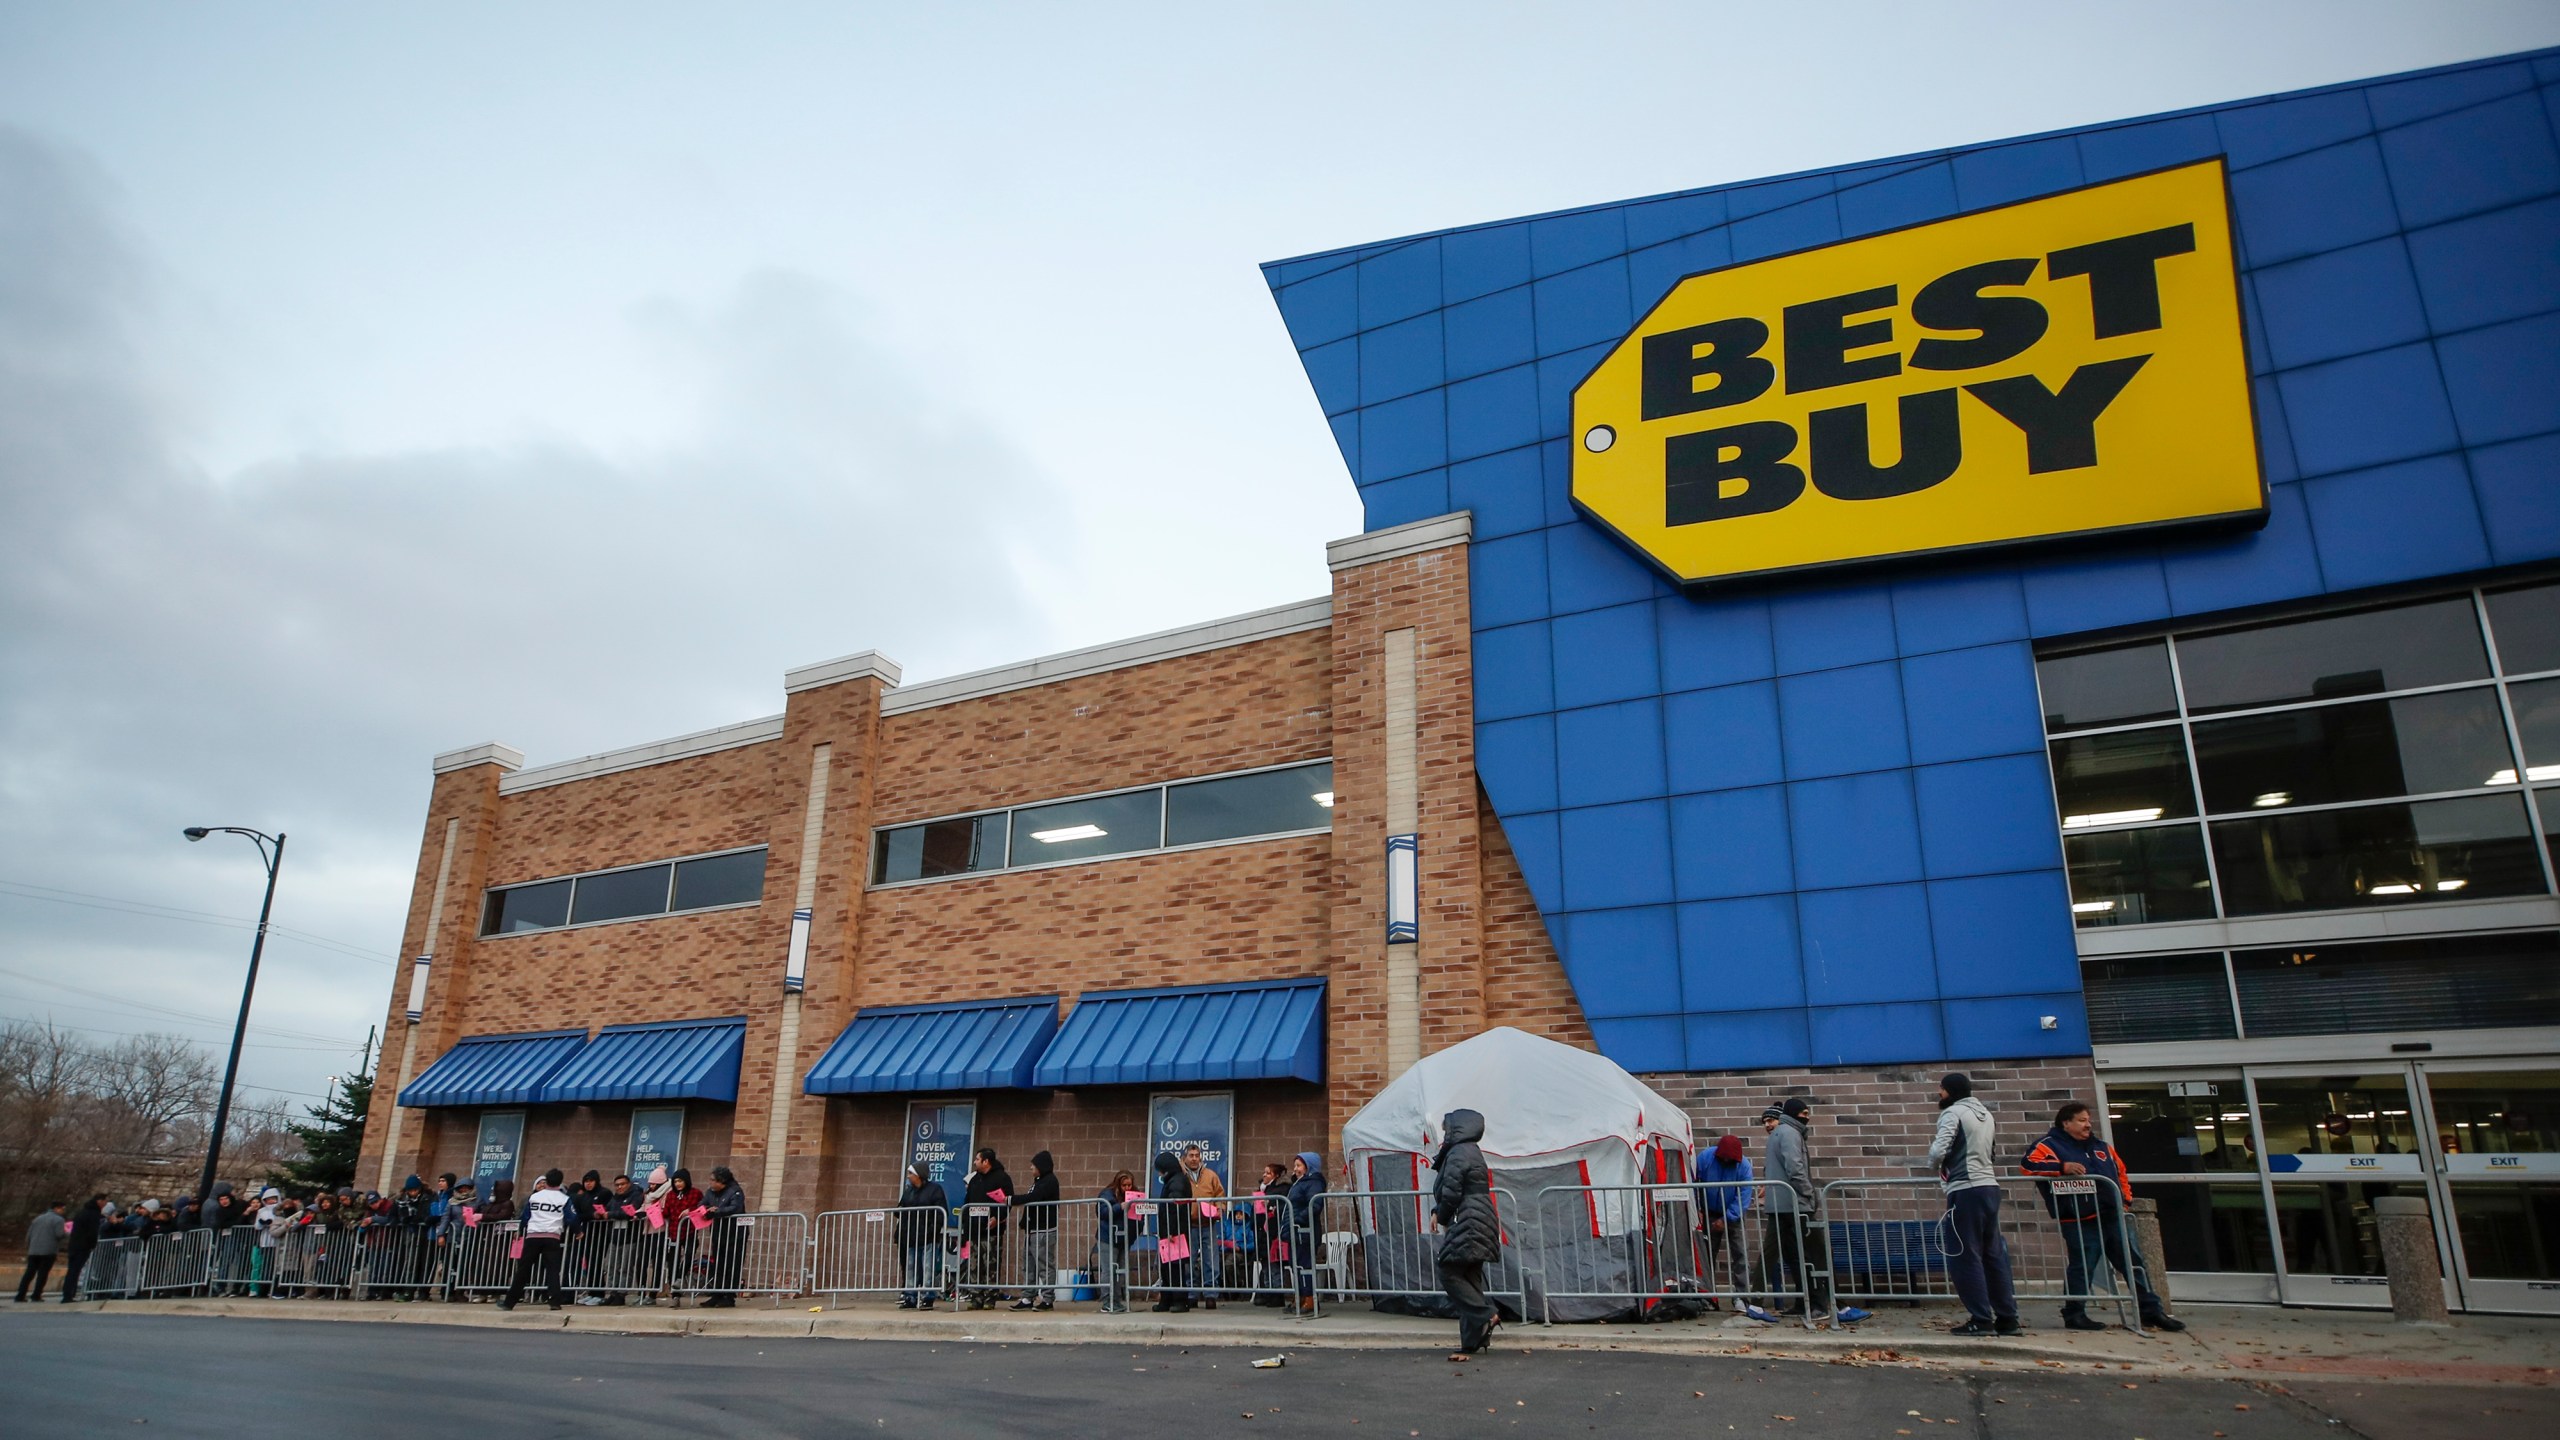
(821,849)
(444,912)
(1404,763)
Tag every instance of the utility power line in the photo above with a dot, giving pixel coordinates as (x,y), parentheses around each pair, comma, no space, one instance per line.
(125,905)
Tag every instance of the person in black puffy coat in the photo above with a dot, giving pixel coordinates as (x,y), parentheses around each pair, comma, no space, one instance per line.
(1470,1234)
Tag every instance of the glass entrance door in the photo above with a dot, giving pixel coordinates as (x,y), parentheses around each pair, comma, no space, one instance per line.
(2496,1156)
(2334,1140)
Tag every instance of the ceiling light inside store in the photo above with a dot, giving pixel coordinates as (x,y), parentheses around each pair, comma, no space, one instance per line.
(2531,772)
(2451,884)
(1324,798)
(2273,797)
(2109,817)
(2394,890)
(1071,832)
(2092,907)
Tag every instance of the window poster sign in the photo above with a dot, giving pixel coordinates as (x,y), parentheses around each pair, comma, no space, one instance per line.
(941,1136)
(657,1138)
(1208,1121)
(493,1158)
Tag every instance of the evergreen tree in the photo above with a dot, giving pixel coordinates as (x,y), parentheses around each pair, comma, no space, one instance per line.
(329,1143)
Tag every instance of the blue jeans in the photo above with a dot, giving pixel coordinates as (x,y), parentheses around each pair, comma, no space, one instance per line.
(1980,1266)
(923,1272)
(2095,1247)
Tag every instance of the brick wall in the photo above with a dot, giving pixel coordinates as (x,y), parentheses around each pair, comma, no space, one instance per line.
(1876,1123)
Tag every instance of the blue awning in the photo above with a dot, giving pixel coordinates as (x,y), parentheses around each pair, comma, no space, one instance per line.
(902,1049)
(494,1069)
(670,1060)
(1273,1030)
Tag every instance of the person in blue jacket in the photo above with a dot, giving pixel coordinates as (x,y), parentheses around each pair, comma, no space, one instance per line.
(1720,1212)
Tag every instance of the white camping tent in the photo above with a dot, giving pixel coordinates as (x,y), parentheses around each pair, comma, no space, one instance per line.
(1556,1119)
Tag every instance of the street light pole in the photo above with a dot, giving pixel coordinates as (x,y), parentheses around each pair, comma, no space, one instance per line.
(274,858)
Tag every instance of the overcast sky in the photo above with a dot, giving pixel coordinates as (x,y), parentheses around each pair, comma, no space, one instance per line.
(376,380)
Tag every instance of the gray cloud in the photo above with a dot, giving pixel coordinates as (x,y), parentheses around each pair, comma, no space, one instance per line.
(285,646)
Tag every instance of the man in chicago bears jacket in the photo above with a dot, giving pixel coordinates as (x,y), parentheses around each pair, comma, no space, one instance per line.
(2092,1225)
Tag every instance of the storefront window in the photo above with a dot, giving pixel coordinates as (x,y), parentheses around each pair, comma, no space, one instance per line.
(527,907)
(2462,982)
(2537,705)
(2122,776)
(2156,998)
(2181,1127)
(939,847)
(1271,802)
(2215,1229)
(719,880)
(2328,1229)
(2415,745)
(2337,1115)
(620,894)
(1078,829)
(2334,656)
(2527,624)
(2107,687)
(2509,1232)
(2134,877)
(2470,848)
(2496,1113)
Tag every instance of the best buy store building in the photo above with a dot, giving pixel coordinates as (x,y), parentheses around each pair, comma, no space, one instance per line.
(2095,594)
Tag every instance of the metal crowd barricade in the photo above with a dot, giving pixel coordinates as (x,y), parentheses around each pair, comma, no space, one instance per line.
(315,1262)
(1382,1245)
(235,1264)
(887,1250)
(114,1269)
(615,1261)
(397,1262)
(1044,1252)
(175,1263)
(479,1260)
(763,1253)
(1894,1239)
(1653,1251)
(1200,1251)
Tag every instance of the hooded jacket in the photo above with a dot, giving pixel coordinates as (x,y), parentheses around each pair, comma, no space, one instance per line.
(1304,1190)
(729,1198)
(502,1203)
(1044,1188)
(410,1206)
(1789,1167)
(226,1210)
(923,1212)
(1171,1185)
(84,1227)
(984,1190)
(1962,1147)
(1462,1194)
(2094,1156)
(1727,1205)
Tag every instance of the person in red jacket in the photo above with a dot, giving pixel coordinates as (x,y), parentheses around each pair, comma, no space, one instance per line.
(2092,1224)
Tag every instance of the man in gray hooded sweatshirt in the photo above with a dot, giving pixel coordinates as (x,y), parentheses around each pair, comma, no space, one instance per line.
(1794,1240)
(1979,1266)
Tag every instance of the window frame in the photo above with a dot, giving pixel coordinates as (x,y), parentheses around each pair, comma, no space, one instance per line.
(671,862)
(1160,788)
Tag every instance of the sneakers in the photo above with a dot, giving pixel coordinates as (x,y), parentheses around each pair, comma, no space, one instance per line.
(1765,1317)
(506,1304)
(1851,1315)
(2169,1323)
(2009,1326)
(2074,1321)
(906,1302)
(1025,1303)
(1972,1328)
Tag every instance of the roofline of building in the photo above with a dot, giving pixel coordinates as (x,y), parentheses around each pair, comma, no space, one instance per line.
(1243,629)
(1411,538)
(656,752)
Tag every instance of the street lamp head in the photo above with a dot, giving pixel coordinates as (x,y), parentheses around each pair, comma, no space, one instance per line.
(196,832)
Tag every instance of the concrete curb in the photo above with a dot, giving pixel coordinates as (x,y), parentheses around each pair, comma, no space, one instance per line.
(1342,1329)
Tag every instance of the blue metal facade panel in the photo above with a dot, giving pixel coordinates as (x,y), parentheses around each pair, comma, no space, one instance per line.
(670,1060)
(1860,863)
(913,1049)
(494,1069)
(1196,1034)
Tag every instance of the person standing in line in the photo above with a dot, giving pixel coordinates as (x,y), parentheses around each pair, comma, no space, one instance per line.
(1173,1222)
(80,1241)
(2092,1225)
(924,1211)
(624,1222)
(44,1241)
(676,1211)
(1470,1235)
(263,1268)
(725,1201)
(1111,1247)
(1724,1175)
(982,1230)
(1306,1196)
(1207,1260)
(1270,1233)
(1039,1235)
(1979,1266)
(549,1215)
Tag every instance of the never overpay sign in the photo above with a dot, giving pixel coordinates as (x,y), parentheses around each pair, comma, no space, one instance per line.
(2064,366)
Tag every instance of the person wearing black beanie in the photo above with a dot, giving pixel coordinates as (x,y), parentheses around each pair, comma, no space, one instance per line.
(1978,1262)
(1039,1206)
